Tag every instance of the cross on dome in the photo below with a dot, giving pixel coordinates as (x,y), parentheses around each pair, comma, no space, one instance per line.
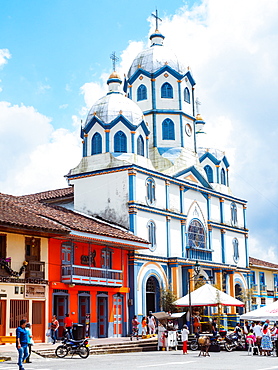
(156,19)
(114,59)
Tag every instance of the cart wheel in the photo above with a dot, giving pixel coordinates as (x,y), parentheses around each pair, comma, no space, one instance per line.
(194,345)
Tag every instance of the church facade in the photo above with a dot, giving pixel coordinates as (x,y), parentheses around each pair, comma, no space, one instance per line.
(142,169)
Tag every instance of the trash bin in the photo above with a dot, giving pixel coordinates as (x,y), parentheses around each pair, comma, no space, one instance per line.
(78,331)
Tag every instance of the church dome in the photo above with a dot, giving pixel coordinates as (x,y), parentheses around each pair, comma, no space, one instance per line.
(112,105)
(156,57)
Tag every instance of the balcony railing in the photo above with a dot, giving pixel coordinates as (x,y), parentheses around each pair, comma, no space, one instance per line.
(263,288)
(254,287)
(35,270)
(200,254)
(76,274)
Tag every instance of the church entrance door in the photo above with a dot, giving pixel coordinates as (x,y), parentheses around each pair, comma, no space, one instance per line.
(152,295)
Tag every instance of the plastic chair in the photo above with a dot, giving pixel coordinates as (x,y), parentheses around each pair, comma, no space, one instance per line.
(251,346)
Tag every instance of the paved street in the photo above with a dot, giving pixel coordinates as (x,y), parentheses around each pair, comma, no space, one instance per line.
(153,360)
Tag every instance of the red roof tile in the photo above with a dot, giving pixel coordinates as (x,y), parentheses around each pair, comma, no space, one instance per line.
(257,262)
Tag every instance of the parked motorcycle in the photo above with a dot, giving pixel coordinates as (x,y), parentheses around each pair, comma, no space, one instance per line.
(71,346)
(232,341)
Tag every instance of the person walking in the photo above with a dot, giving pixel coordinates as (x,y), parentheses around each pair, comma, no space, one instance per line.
(22,343)
(144,326)
(54,329)
(68,325)
(184,338)
(151,323)
(30,341)
(274,334)
(257,329)
(135,330)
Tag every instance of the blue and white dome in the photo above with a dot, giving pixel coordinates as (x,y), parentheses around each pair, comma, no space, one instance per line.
(115,103)
(156,57)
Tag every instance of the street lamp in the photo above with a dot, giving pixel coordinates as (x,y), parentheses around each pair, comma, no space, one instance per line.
(197,270)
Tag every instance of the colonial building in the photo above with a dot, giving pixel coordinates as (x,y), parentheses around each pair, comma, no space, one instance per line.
(57,261)
(263,282)
(142,169)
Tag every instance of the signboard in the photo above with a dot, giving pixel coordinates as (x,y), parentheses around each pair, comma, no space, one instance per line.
(34,291)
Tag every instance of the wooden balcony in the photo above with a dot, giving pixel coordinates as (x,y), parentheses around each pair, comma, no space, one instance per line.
(35,270)
(76,274)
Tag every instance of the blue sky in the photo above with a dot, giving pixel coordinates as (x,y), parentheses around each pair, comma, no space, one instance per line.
(54,63)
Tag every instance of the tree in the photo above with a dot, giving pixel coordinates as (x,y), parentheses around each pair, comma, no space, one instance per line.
(167,297)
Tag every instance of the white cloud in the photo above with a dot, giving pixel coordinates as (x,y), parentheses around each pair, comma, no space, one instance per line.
(38,156)
(63,106)
(4,56)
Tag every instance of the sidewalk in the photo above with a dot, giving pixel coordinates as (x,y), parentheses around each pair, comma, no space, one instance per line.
(10,351)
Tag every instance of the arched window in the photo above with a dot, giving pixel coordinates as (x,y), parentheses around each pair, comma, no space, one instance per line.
(140,146)
(233,214)
(209,173)
(152,235)
(236,252)
(168,129)
(150,184)
(120,142)
(167,91)
(223,177)
(196,235)
(141,93)
(96,144)
(186,95)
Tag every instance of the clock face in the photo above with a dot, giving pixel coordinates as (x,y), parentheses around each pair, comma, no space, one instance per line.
(188,129)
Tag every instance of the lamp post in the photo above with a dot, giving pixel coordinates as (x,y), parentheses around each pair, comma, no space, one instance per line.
(197,270)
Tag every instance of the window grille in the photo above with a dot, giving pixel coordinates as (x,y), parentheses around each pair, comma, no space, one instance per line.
(96,144)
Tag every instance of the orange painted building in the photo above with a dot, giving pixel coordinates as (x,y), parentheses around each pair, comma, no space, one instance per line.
(89,281)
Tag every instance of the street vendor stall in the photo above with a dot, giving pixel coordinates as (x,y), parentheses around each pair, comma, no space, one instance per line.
(167,330)
(270,312)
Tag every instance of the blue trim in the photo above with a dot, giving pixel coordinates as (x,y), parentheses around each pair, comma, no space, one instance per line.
(223,247)
(217,174)
(227,176)
(147,148)
(132,142)
(181,132)
(85,148)
(179,94)
(168,111)
(154,131)
(161,284)
(130,93)
(210,239)
(110,125)
(209,207)
(125,85)
(188,185)
(132,222)
(167,196)
(244,218)
(196,173)
(153,96)
(157,35)
(113,80)
(221,212)
(168,237)
(165,68)
(131,187)
(209,172)
(246,252)
(209,156)
(183,240)
(181,201)
(107,141)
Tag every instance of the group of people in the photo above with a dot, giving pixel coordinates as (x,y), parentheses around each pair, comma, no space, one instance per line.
(24,337)
(54,326)
(148,324)
(260,334)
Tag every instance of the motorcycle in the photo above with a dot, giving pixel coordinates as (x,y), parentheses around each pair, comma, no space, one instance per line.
(79,347)
(232,341)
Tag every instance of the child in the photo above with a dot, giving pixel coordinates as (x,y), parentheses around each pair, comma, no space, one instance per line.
(144,326)
(29,341)
(184,338)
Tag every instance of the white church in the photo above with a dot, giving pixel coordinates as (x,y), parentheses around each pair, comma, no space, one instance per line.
(141,169)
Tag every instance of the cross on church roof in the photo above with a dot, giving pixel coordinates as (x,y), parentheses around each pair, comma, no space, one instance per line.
(198,103)
(114,59)
(156,19)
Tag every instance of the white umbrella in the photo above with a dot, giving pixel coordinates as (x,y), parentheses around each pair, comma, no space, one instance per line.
(269,312)
(207,295)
